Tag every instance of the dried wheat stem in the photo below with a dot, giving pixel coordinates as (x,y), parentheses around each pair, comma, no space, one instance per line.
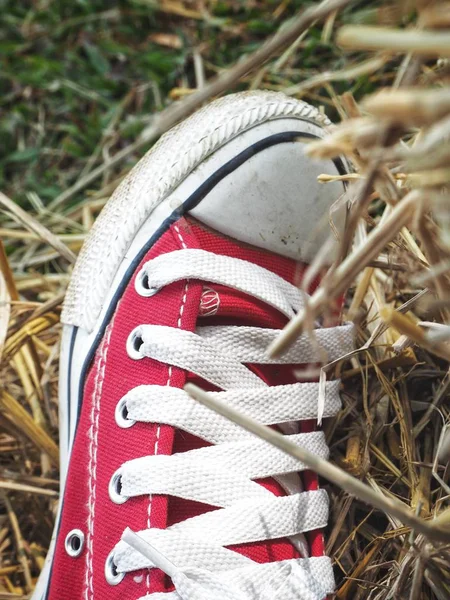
(429,178)
(19,542)
(31,489)
(353,72)
(30,328)
(7,274)
(416,584)
(406,326)
(13,234)
(33,225)
(409,105)
(19,417)
(346,272)
(324,468)
(360,292)
(347,590)
(387,39)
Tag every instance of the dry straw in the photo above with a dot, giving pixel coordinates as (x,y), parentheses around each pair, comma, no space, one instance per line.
(390,524)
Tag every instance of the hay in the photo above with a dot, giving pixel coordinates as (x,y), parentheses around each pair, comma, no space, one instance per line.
(391,435)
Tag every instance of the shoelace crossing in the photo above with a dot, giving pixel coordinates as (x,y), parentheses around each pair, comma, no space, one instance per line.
(223,474)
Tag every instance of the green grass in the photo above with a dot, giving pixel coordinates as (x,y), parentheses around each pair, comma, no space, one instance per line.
(65,74)
(78,82)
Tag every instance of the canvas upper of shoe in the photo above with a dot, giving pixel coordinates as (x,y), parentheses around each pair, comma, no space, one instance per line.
(227,524)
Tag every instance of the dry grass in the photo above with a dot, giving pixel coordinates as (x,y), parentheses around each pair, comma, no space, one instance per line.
(395,261)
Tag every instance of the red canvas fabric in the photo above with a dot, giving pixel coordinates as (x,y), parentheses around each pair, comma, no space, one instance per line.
(101,446)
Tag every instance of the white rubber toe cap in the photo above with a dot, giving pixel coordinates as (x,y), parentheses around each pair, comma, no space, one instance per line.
(273,201)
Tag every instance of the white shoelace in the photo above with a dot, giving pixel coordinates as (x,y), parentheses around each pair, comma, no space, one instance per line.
(193,552)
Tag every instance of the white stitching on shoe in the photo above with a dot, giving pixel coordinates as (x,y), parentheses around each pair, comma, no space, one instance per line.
(169,378)
(177,229)
(209,303)
(92,482)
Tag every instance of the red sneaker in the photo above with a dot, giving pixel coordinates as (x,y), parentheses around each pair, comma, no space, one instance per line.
(188,275)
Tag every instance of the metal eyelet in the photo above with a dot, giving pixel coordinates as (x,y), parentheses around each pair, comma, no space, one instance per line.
(134,343)
(112,576)
(115,488)
(142,284)
(121,415)
(74,543)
